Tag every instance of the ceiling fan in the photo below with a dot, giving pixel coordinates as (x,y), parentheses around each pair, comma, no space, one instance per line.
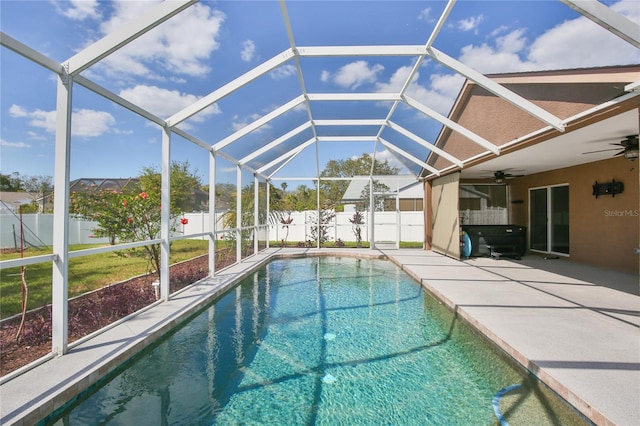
(629,147)
(501,176)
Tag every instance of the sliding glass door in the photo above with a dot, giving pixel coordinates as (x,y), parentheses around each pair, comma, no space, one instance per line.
(549,219)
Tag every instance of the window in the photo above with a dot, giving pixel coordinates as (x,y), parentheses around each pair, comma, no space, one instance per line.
(483,205)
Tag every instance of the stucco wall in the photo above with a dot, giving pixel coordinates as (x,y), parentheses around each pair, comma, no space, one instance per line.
(500,122)
(603,231)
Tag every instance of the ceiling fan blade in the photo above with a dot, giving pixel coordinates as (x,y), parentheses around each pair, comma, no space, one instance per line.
(601,150)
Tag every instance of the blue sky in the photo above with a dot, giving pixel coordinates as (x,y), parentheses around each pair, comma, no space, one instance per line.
(213,42)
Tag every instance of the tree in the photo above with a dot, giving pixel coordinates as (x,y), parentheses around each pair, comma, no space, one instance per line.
(247,195)
(134,214)
(184,182)
(106,207)
(302,198)
(11,183)
(40,185)
(319,227)
(333,190)
(356,221)
(378,189)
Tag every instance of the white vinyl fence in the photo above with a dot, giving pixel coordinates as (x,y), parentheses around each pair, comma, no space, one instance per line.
(38,228)
(388,224)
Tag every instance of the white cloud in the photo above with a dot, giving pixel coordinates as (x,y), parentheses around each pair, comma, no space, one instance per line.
(248,50)
(78,10)
(17,111)
(325,76)
(471,23)
(439,96)
(86,123)
(425,15)
(90,123)
(574,43)
(356,74)
(164,103)
(387,155)
(181,45)
(19,145)
(283,72)
(44,120)
(240,122)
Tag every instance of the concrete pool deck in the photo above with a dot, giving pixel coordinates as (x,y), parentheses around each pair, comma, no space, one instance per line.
(575,326)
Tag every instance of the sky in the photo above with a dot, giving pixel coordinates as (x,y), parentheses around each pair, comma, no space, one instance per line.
(213,42)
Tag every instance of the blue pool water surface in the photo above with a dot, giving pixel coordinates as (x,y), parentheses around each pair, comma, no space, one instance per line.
(320,341)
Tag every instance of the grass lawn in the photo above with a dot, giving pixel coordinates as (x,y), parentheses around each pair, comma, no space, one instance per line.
(85,273)
(347,244)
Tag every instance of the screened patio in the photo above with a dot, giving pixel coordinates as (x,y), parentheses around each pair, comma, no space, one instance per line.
(302,123)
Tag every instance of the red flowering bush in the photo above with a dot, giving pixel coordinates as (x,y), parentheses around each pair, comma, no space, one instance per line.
(127,216)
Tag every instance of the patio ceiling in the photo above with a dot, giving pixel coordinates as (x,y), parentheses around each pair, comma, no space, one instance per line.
(568,149)
(300,124)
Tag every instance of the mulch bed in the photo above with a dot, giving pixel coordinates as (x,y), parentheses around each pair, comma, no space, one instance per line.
(88,313)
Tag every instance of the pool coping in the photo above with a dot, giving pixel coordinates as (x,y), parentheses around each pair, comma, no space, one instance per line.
(29,397)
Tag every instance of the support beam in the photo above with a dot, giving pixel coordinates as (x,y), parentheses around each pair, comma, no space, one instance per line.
(372,222)
(117,99)
(386,50)
(230,87)
(125,34)
(31,54)
(355,122)
(294,155)
(347,138)
(268,147)
(424,143)
(256,212)
(452,125)
(286,155)
(497,89)
(60,273)
(408,156)
(212,214)
(268,207)
(238,214)
(258,123)
(354,97)
(165,213)
(443,18)
(611,21)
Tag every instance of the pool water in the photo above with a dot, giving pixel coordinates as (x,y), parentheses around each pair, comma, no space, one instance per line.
(322,341)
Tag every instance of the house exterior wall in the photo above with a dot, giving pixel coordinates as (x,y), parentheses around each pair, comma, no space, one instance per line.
(500,122)
(603,231)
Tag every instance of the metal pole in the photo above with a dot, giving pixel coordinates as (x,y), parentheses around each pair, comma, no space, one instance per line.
(319,211)
(212,213)
(238,213)
(268,210)
(398,218)
(60,274)
(371,208)
(256,216)
(165,213)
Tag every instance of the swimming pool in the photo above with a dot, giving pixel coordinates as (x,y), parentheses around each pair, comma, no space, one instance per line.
(321,341)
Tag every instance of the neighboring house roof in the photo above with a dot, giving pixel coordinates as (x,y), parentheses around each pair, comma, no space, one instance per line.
(408,186)
(11,200)
(592,102)
(98,184)
(467,191)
